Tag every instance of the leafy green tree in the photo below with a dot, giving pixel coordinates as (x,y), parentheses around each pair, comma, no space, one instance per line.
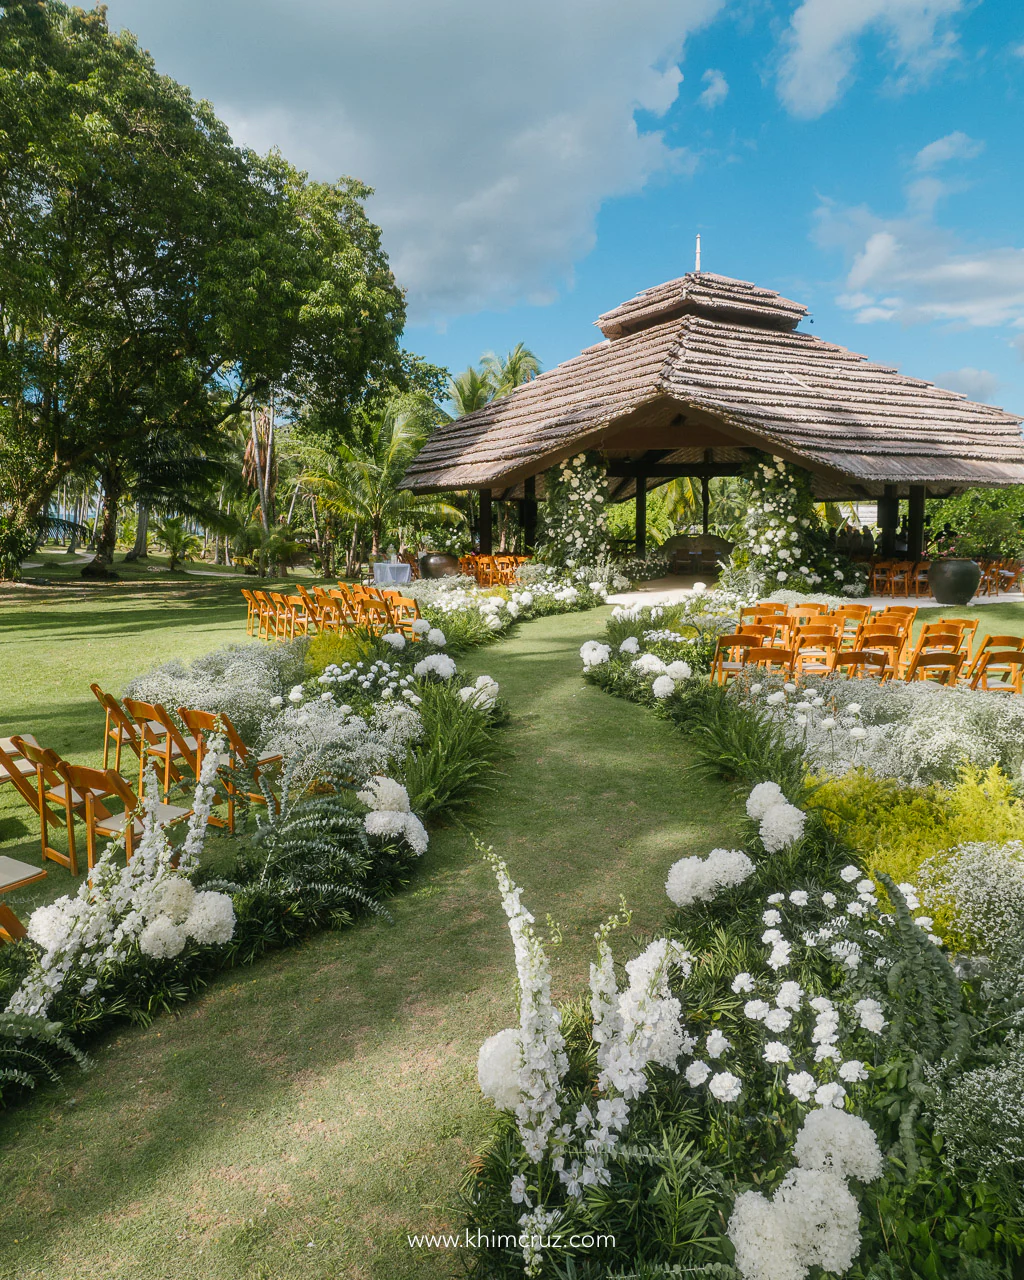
(179,542)
(363,486)
(469,391)
(157,277)
(505,373)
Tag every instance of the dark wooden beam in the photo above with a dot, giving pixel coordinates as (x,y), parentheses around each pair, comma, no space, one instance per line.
(705,503)
(915,522)
(529,513)
(485,522)
(671,470)
(641,518)
(888,519)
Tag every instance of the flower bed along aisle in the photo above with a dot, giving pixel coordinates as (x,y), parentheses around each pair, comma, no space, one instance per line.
(369,749)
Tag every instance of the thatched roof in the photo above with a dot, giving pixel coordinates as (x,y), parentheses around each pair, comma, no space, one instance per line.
(707,367)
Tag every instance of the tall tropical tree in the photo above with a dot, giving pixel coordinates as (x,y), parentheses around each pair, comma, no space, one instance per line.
(469,390)
(364,485)
(507,372)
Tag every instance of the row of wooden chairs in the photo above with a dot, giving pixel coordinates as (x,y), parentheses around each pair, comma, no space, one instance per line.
(910,577)
(60,792)
(809,640)
(273,615)
(492,571)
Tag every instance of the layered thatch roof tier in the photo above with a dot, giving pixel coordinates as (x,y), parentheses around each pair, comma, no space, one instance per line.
(702,370)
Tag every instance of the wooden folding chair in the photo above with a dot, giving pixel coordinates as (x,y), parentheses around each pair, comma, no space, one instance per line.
(813,654)
(98,785)
(253,614)
(859,664)
(1006,643)
(265,629)
(723,667)
(899,578)
(50,789)
(968,629)
(404,612)
(919,584)
(486,571)
(907,613)
(201,725)
(944,667)
(14,766)
(161,740)
(935,638)
(311,608)
(879,582)
(999,671)
(14,874)
(769,657)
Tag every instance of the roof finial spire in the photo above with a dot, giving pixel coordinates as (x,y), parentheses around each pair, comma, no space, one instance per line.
(697,263)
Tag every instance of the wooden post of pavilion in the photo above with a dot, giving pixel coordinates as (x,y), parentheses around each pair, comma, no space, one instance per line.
(528,515)
(915,522)
(641,517)
(888,519)
(705,503)
(485,522)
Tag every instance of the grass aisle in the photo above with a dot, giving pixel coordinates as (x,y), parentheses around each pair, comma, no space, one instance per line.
(304,1115)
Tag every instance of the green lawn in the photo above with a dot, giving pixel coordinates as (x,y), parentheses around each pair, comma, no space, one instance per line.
(306,1113)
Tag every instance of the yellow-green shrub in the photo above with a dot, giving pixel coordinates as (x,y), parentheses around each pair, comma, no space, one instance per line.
(896,827)
(337,647)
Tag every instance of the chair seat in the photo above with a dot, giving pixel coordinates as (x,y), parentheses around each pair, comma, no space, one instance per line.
(14,873)
(58,792)
(160,748)
(165,815)
(24,767)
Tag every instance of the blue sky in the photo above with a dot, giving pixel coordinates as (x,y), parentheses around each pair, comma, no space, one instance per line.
(535,166)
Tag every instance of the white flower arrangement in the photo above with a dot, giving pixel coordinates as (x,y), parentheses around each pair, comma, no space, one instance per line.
(697,879)
(148,905)
(390,814)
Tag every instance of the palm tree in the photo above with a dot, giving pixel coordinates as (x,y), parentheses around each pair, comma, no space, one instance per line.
(179,543)
(364,485)
(469,390)
(506,373)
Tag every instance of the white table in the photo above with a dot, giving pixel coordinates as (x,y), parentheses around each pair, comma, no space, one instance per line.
(391,573)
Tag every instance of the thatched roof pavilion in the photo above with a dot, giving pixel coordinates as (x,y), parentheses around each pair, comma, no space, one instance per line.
(692,376)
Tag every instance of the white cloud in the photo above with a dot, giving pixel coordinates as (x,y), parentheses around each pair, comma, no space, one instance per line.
(820,46)
(717,89)
(954,146)
(914,271)
(491,133)
(975,384)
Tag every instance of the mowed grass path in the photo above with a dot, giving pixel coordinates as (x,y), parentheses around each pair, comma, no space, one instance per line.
(305,1114)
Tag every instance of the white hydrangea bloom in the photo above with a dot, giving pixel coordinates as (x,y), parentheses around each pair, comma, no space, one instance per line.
(648,664)
(162,939)
(594,654)
(679,670)
(435,664)
(211,920)
(663,687)
(761,799)
(630,645)
(697,879)
(781,825)
(837,1141)
(395,639)
(385,793)
(498,1065)
(437,637)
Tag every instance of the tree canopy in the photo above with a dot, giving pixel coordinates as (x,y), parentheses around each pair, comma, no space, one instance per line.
(155,277)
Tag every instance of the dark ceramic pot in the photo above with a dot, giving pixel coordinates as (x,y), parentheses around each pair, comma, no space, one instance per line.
(954,581)
(436,565)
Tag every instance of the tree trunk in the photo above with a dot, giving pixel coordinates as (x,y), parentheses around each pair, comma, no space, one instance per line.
(105,532)
(140,551)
